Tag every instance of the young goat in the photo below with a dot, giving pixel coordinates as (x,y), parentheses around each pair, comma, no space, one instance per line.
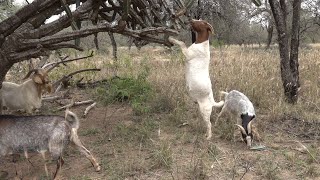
(197,70)
(241,107)
(41,133)
(25,96)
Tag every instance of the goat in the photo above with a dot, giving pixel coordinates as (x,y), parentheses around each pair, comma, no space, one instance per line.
(239,105)
(25,96)
(42,133)
(197,70)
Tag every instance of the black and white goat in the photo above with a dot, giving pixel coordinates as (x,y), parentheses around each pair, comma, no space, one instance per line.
(42,133)
(197,70)
(239,105)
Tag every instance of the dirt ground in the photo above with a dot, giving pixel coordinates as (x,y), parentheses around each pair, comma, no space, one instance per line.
(230,159)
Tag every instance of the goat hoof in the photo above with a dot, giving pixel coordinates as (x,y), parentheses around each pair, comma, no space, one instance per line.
(98,168)
(208,137)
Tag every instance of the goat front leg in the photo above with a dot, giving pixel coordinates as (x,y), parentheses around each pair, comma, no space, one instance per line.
(43,154)
(205,110)
(219,115)
(182,45)
(75,139)
(255,133)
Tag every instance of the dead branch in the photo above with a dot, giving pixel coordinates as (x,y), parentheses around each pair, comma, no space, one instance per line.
(66,78)
(63,61)
(91,84)
(88,109)
(50,98)
(78,103)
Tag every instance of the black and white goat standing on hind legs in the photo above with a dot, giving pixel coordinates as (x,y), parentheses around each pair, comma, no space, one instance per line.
(239,105)
(197,70)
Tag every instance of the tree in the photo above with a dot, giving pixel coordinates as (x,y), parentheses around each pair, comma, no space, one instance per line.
(266,20)
(25,35)
(288,50)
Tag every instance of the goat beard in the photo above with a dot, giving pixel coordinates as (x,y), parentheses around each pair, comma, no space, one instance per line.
(48,88)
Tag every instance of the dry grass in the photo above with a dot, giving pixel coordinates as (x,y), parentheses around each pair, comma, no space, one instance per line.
(139,151)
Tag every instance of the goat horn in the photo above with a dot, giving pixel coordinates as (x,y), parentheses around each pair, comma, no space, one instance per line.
(29,73)
(249,127)
(241,128)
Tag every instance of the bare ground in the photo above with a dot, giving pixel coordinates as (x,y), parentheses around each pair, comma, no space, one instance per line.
(192,156)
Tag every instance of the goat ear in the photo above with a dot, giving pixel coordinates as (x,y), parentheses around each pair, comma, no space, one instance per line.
(210,28)
(37,79)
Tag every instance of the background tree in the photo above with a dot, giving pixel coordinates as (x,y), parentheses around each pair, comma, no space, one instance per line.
(288,49)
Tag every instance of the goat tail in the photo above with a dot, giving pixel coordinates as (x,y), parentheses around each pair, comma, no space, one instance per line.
(223,93)
(218,104)
(72,119)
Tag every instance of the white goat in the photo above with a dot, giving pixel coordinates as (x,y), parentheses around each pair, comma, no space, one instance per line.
(239,105)
(197,70)
(25,96)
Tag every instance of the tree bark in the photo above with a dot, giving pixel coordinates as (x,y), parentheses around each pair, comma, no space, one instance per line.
(270,34)
(288,58)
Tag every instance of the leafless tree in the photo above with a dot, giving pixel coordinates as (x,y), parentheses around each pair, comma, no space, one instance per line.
(289,64)
(26,34)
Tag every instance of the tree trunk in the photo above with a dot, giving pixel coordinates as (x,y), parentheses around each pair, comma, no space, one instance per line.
(288,60)
(270,34)
(114,46)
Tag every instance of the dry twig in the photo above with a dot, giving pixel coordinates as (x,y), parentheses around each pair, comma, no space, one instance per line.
(75,104)
(86,111)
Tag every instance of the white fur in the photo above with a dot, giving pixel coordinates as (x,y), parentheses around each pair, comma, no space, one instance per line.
(198,79)
(237,103)
(20,96)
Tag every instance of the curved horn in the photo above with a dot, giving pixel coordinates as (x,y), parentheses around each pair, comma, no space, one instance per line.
(241,128)
(249,127)
(29,73)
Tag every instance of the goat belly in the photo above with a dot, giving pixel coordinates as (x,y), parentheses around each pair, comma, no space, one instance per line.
(199,88)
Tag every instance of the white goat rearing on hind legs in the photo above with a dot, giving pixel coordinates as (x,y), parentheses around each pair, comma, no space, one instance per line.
(197,70)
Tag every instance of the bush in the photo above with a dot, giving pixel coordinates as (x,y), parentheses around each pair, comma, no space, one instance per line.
(135,90)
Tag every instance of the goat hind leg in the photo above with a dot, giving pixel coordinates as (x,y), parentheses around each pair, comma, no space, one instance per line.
(60,162)
(84,150)
(205,110)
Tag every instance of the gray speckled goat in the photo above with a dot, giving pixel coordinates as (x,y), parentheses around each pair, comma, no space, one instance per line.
(41,133)
(239,105)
